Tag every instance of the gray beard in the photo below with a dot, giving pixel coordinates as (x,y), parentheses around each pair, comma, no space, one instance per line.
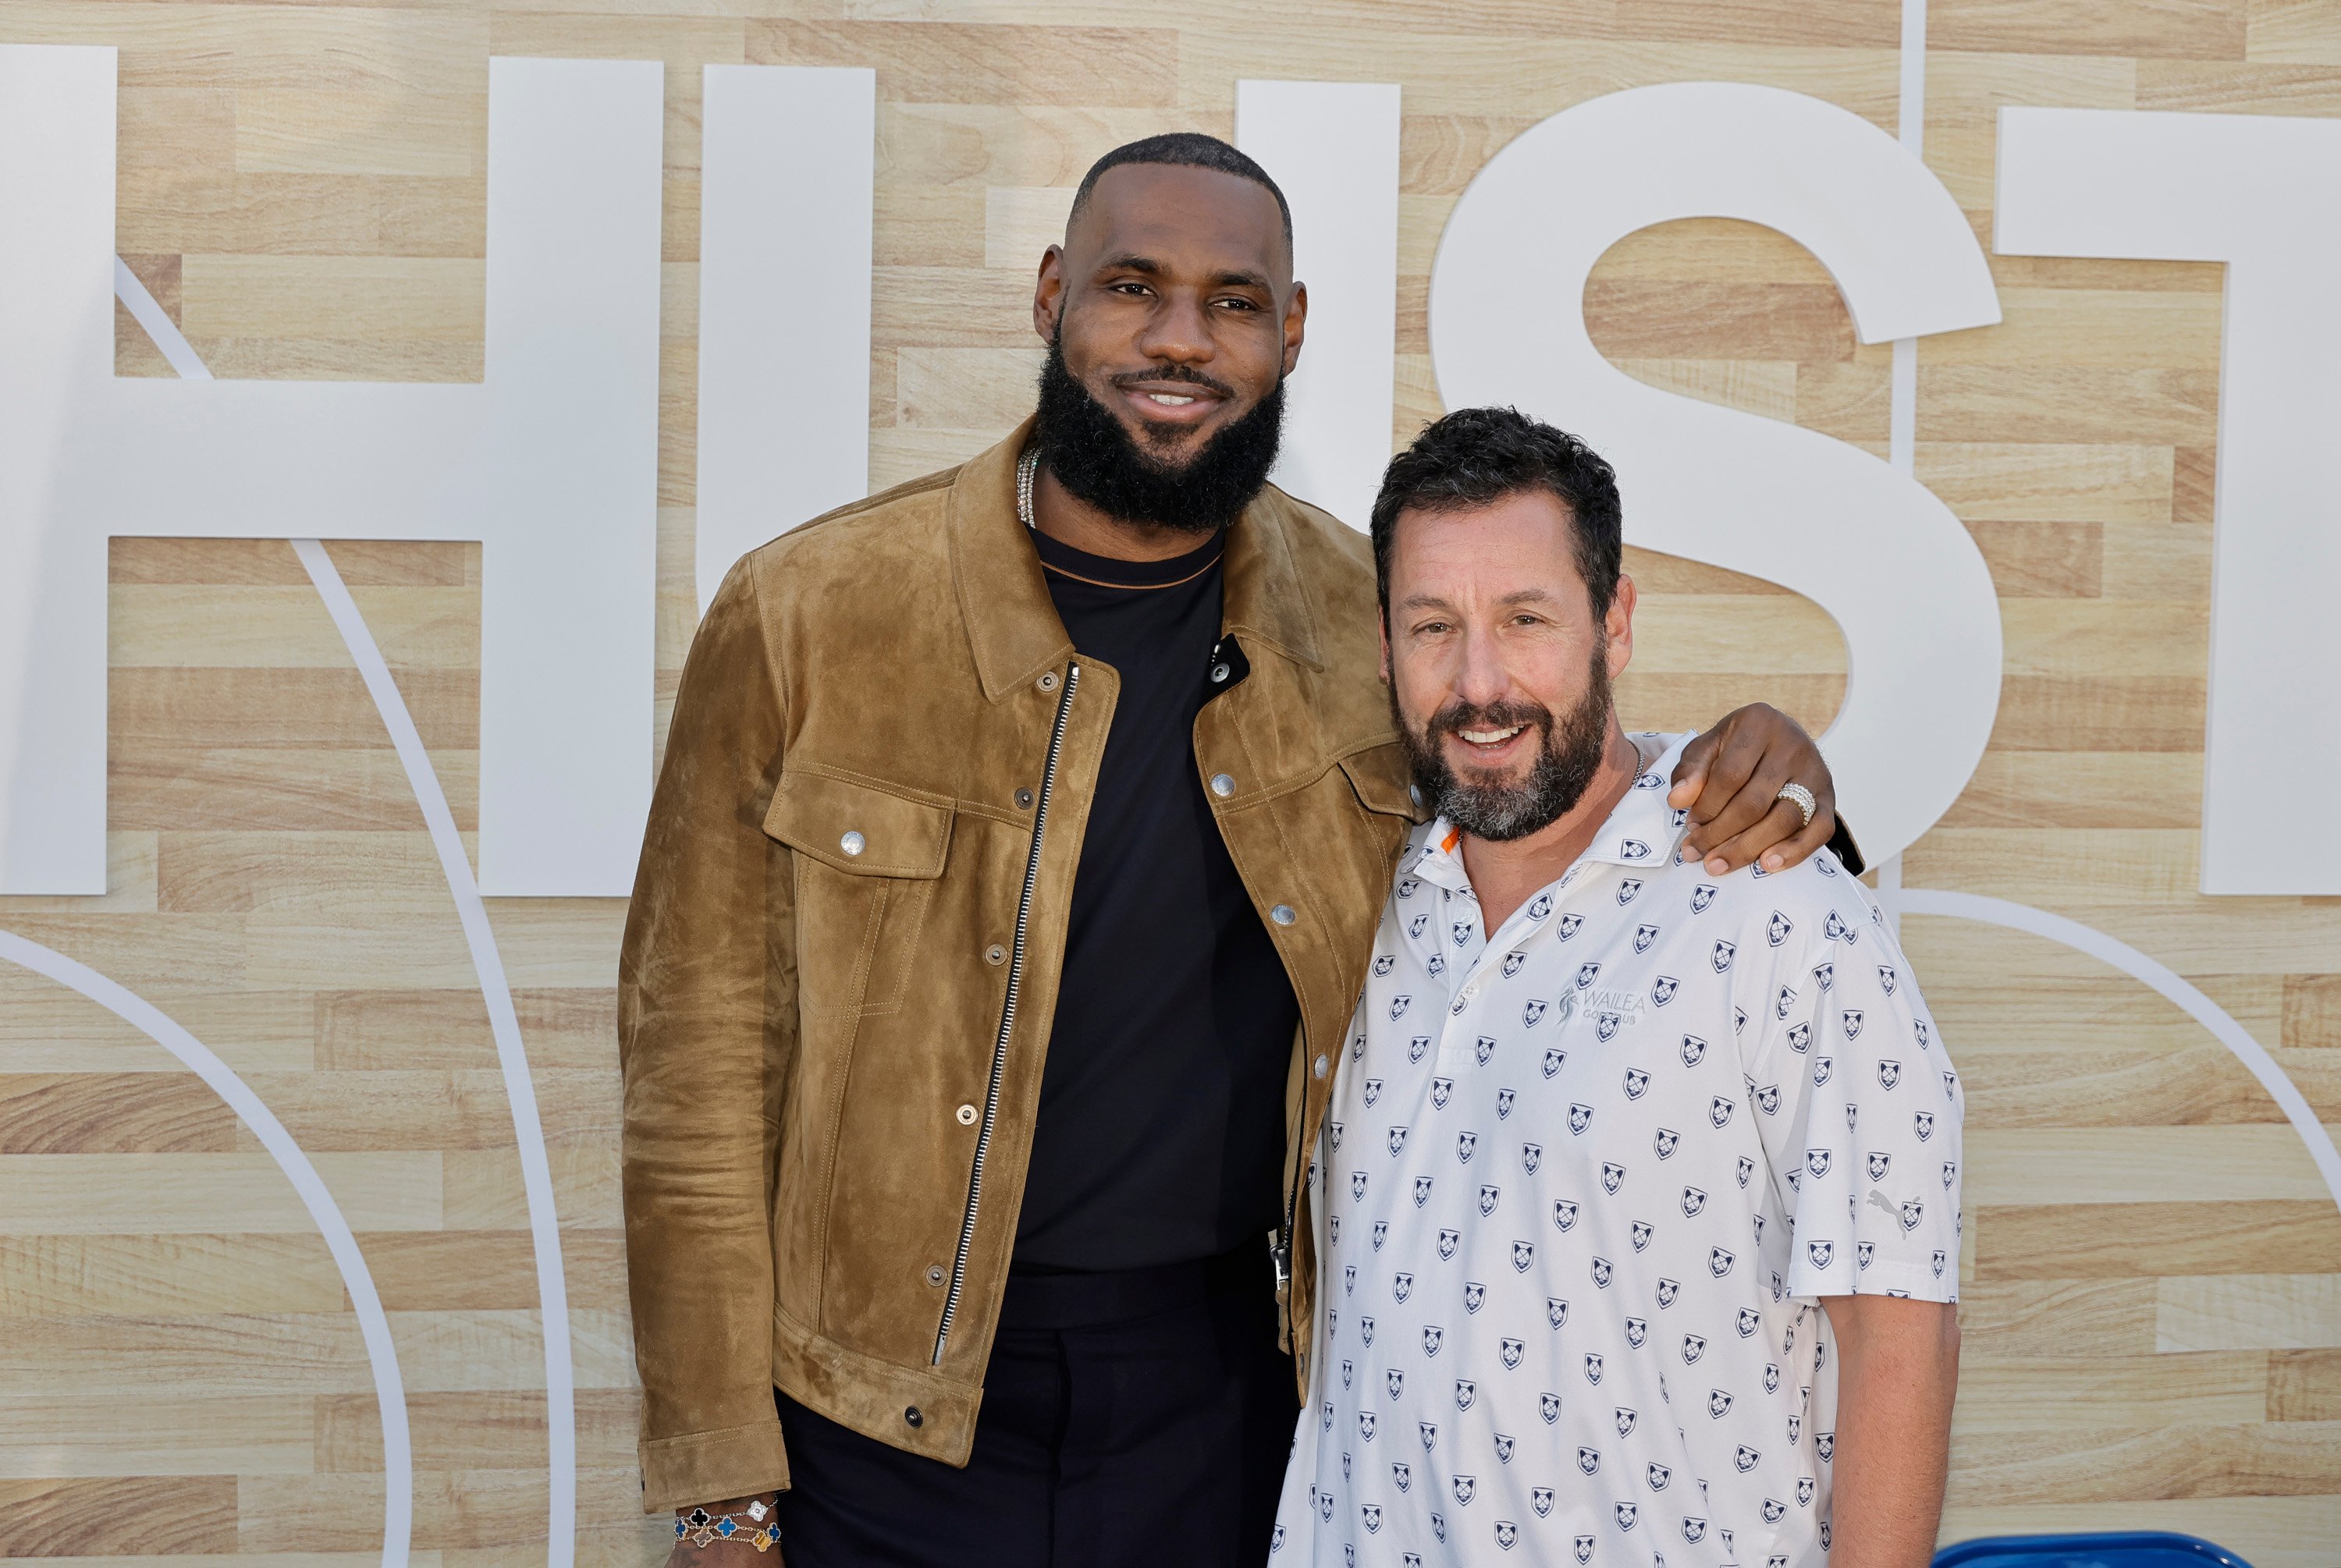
(1564,770)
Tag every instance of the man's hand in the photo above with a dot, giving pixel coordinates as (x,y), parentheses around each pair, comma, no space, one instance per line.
(1731,777)
(1897,1369)
(734,1552)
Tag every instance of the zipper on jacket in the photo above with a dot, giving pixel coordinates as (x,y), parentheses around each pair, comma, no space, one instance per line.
(1007,1011)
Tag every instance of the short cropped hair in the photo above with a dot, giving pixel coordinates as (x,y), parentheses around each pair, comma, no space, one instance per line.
(1183,150)
(1477,455)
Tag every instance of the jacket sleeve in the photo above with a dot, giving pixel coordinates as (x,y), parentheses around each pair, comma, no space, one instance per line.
(707,1033)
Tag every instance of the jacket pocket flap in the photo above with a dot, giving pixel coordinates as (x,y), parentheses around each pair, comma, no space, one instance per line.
(856,827)
(1379,776)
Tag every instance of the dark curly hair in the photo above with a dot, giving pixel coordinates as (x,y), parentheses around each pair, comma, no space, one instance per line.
(1477,455)
(1183,149)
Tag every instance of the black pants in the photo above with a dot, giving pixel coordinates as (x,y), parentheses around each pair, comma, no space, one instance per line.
(1139,1418)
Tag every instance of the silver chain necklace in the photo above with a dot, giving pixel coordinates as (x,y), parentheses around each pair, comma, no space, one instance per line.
(1026,466)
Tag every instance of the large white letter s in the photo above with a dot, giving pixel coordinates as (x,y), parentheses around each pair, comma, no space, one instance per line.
(1880,553)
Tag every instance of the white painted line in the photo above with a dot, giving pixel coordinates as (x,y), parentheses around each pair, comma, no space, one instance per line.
(1902,403)
(520,1089)
(131,293)
(389,1388)
(2121,955)
(495,990)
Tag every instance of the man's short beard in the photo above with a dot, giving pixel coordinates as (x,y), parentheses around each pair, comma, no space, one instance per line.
(1095,458)
(1565,764)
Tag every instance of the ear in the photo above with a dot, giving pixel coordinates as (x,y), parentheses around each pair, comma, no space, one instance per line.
(1619,624)
(1049,293)
(1296,318)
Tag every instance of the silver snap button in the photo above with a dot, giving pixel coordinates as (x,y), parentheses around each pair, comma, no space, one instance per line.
(1283,915)
(1224,785)
(1219,673)
(1321,1067)
(995,954)
(934,1273)
(854,843)
(1414,793)
(1023,800)
(1047,683)
(912,1416)
(967,1115)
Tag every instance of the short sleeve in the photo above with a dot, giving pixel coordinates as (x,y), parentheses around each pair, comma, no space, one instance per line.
(1863,1120)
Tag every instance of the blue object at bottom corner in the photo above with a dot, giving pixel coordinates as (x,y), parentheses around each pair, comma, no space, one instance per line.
(2120,1549)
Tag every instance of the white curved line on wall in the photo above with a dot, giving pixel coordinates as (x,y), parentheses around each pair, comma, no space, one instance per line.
(2164,980)
(389,1388)
(496,989)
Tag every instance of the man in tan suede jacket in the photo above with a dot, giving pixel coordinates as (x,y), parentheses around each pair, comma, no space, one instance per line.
(1008,885)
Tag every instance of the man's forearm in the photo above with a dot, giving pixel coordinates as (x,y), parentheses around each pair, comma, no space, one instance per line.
(1898,1371)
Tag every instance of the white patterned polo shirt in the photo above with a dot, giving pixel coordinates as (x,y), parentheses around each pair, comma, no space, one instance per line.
(1581,1185)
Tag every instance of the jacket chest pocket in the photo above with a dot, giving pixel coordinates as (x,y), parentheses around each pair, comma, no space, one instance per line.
(867,858)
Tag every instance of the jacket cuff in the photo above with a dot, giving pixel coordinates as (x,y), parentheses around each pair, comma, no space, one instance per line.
(697,1467)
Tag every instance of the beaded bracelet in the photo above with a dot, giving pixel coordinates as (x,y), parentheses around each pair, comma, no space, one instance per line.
(701,1528)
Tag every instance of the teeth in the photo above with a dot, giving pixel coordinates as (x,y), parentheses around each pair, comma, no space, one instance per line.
(1171,400)
(1490,736)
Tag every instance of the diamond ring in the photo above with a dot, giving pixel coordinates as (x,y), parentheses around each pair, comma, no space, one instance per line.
(1803,798)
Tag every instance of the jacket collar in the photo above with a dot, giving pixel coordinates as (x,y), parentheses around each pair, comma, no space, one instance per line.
(1011,622)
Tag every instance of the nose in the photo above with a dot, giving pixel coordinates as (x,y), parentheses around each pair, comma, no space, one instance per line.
(1481,676)
(1178,331)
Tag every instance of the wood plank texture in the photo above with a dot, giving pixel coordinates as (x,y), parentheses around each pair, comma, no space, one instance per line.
(2152,1276)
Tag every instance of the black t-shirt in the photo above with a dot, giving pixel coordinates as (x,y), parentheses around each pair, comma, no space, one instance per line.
(1160,1135)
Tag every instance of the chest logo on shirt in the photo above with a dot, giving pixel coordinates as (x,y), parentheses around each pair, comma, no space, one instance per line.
(1366,1423)
(1638,1332)
(1889,1072)
(1701,897)
(1433,1336)
(1484,1048)
(1850,1021)
(1414,927)
(1836,930)
(1447,1242)
(1779,928)
(1804,1492)
(1643,937)
(1540,1499)
(1523,1256)
(1465,1145)
(1825,975)
(1694,1345)
(1721,957)
(1768,1100)
(1667,1290)
(1570,926)
(1693,1201)
(1605,1026)
(1747,1322)
(1584,1549)
(1602,1270)
(1381,1233)
(1421,1190)
(1820,1252)
(1800,1038)
(1564,1218)
(1923,1123)
(1658,1475)
(1398,1006)
(1580,1117)
(1488,1193)
(1627,888)
(1637,1080)
(1440,1089)
(1530,1013)
(1475,1296)
(1718,1262)
(1465,1392)
(1552,1061)
(1373,1093)
(1663,988)
(1504,1098)
(1613,1176)
(1816,1161)
(1626,1514)
(1462,931)
(1531,1156)
(1886,977)
(1396,1141)
(1372,1515)
(1384,963)
(1358,1186)
(1719,1404)
(1417,1047)
(1541,906)
(1512,962)
(1666,1141)
(1548,1406)
(1912,1211)
(1641,1234)
(1401,1285)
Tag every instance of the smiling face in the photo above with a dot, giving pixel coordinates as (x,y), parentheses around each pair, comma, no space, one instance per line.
(1500,669)
(1172,319)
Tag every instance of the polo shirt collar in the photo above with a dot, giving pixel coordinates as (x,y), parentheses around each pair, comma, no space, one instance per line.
(1641,831)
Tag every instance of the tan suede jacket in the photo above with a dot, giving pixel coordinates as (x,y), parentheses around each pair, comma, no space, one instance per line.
(843,950)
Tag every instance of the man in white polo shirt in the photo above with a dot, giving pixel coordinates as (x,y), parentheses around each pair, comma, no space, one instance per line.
(1636,1207)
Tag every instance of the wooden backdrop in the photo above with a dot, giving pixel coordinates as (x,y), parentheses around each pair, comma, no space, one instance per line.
(2153,1279)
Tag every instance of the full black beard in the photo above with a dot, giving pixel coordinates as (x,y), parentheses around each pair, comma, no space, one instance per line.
(1095,458)
(1564,770)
